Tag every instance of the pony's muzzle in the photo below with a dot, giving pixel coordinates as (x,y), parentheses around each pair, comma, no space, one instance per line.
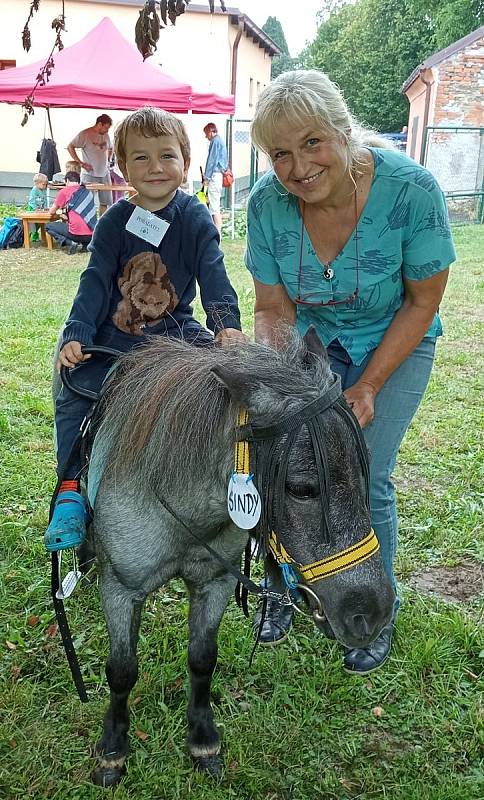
(312,606)
(363,619)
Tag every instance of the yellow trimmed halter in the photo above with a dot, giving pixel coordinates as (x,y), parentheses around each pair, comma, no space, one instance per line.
(326,567)
(331,565)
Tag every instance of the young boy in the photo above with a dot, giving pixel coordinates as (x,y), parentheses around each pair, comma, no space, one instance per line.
(146,256)
(38,193)
(37,199)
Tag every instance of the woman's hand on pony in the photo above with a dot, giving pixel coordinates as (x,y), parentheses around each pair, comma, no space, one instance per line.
(361,398)
(228,336)
(70,355)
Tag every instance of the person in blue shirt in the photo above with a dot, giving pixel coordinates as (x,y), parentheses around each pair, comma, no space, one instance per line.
(216,165)
(354,239)
(147,256)
(38,199)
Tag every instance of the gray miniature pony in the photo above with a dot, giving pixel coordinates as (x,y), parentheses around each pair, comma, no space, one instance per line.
(167,439)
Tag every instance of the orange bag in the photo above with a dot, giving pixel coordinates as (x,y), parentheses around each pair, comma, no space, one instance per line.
(227,179)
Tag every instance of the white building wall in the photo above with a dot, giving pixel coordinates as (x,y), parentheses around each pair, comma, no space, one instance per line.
(198,50)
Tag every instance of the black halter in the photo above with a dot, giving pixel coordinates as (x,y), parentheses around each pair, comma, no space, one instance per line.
(270,451)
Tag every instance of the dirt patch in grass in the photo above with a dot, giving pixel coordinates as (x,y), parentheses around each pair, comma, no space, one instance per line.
(414,481)
(461,583)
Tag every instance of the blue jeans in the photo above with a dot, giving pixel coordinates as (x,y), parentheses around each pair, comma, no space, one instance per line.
(395,407)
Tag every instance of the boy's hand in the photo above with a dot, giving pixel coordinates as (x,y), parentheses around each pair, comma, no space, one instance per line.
(230,336)
(70,355)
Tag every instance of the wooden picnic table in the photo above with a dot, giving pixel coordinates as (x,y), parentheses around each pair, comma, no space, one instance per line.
(40,218)
(99,187)
(111,187)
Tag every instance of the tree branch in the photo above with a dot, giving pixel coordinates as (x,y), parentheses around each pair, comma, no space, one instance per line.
(59,25)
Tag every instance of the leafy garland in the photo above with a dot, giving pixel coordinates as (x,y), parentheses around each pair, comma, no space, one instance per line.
(59,25)
(147,33)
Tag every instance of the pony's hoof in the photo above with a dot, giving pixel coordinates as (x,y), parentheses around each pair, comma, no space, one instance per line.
(212,765)
(107,776)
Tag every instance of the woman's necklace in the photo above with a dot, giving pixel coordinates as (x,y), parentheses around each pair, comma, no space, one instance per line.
(328,271)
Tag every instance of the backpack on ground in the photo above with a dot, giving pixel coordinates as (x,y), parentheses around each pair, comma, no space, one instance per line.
(82,202)
(11,233)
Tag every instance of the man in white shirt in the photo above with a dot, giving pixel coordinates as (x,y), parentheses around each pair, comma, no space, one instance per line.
(96,148)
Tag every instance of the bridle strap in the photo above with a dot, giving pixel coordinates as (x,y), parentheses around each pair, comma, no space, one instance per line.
(297,418)
(331,565)
(268,440)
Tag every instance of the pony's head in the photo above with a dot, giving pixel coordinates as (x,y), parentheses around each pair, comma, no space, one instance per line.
(310,465)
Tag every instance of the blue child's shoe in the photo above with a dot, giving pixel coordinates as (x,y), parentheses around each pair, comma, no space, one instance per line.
(67,527)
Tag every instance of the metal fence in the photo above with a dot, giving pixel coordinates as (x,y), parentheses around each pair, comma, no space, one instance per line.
(244,158)
(455,156)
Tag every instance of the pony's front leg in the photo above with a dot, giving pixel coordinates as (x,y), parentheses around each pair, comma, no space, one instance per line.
(122,610)
(207,605)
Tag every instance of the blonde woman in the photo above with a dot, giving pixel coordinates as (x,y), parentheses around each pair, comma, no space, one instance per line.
(353,238)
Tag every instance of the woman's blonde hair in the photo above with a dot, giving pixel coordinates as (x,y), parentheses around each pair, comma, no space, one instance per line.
(150,122)
(301,95)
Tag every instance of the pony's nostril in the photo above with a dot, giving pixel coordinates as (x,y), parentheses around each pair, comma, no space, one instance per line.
(358,623)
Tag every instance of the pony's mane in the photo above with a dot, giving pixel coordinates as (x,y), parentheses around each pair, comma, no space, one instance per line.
(168,404)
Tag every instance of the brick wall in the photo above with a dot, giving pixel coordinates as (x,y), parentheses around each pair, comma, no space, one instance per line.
(460,91)
(456,158)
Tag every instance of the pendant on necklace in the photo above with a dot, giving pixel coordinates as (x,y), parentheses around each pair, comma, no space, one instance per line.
(328,273)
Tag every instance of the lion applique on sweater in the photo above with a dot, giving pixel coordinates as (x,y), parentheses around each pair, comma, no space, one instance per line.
(147,294)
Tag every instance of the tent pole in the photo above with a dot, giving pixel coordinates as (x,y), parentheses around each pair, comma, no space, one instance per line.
(47,108)
(190,118)
(232,188)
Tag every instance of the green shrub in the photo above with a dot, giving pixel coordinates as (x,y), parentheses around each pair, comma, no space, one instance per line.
(240,225)
(9,210)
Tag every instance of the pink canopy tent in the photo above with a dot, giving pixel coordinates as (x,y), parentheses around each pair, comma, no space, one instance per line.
(103,70)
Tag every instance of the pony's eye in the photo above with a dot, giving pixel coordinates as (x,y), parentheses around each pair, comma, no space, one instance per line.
(302,491)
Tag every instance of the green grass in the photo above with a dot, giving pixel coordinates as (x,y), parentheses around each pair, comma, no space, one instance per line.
(295,727)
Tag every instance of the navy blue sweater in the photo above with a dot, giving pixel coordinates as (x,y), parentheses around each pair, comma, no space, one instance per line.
(142,289)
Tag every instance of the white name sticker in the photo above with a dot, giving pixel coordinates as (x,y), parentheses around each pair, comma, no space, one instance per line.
(147,226)
(243,501)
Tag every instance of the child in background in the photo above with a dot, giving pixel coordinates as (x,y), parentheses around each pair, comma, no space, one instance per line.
(38,199)
(73,166)
(147,256)
(76,227)
(38,194)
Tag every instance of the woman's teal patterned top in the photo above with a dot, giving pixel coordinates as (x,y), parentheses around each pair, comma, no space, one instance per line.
(403,232)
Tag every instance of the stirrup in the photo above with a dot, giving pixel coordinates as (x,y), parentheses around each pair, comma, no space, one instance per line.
(67,527)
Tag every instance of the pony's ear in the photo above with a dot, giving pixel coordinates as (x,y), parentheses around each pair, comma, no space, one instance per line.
(239,385)
(314,346)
